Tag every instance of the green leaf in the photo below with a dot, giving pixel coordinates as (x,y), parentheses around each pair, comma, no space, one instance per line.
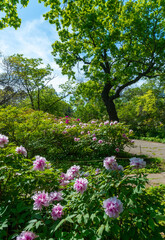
(100,230)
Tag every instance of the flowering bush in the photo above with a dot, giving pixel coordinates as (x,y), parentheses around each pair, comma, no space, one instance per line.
(102,203)
(63,138)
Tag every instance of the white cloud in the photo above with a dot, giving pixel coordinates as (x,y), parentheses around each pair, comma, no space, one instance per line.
(33,39)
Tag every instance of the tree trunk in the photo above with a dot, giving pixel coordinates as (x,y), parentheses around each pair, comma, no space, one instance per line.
(108,101)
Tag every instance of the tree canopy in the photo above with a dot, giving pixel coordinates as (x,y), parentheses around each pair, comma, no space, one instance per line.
(115,42)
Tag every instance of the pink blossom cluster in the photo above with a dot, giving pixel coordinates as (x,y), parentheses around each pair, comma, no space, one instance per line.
(73,172)
(55,196)
(41,199)
(76,139)
(57,211)
(106,122)
(81,185)
(110,164)
(113,207)
(44,199)
(64,179)
(3,140)
(137,163)
(21,150)
(40,163)
(26,236)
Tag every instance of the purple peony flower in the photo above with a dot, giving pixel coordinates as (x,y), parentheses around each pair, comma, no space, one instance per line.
(97,171)
(94,138)
(3,140)
(57,211)
(21,150)
(41,199)
(110,163)
(113,207)
(55,196)
(120,168)
(26,236)
(80,185)
(100,141)
(137,163)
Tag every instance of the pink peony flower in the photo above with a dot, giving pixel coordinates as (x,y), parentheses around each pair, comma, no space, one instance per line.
(137,163)
(76,139)
(110,163)
(124,135)
(21,150)
(117,149)
(55,196)
(41,199)
(130,131)
(80,185)
(3,140)
(106,122)
(26,236)
(94,135)
(88,132)
(94,138)
(73,172)
(82,132)
(113,207)
(57,211)
(92,122)
(67,121)
(111,123)
(65,179)
(115,122)
(132,141)
(39,163)
(64,132)
(100,141)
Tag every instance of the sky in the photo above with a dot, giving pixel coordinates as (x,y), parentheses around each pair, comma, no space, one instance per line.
(33,39)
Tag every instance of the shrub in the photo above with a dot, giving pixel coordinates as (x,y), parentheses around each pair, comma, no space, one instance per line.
(63,138)
(91,204)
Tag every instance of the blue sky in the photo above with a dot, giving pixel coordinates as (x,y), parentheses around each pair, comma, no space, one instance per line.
(33,38)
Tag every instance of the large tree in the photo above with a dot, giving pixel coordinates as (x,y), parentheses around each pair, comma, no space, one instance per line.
(116,42)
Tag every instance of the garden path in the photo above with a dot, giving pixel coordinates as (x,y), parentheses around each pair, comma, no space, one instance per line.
(151,149)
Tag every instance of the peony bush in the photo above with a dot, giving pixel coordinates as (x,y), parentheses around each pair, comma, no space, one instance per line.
(63,138)
(80,203)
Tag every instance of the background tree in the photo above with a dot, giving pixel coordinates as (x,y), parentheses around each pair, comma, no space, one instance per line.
(143,108)
(26,76)
(117,42)
(86,101)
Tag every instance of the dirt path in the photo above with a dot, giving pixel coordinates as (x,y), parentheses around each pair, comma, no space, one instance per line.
(151,149)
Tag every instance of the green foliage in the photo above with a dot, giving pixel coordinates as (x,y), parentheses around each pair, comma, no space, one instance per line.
(87,102)
(143,109)
(55,138)
(117,43)
(84,216)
